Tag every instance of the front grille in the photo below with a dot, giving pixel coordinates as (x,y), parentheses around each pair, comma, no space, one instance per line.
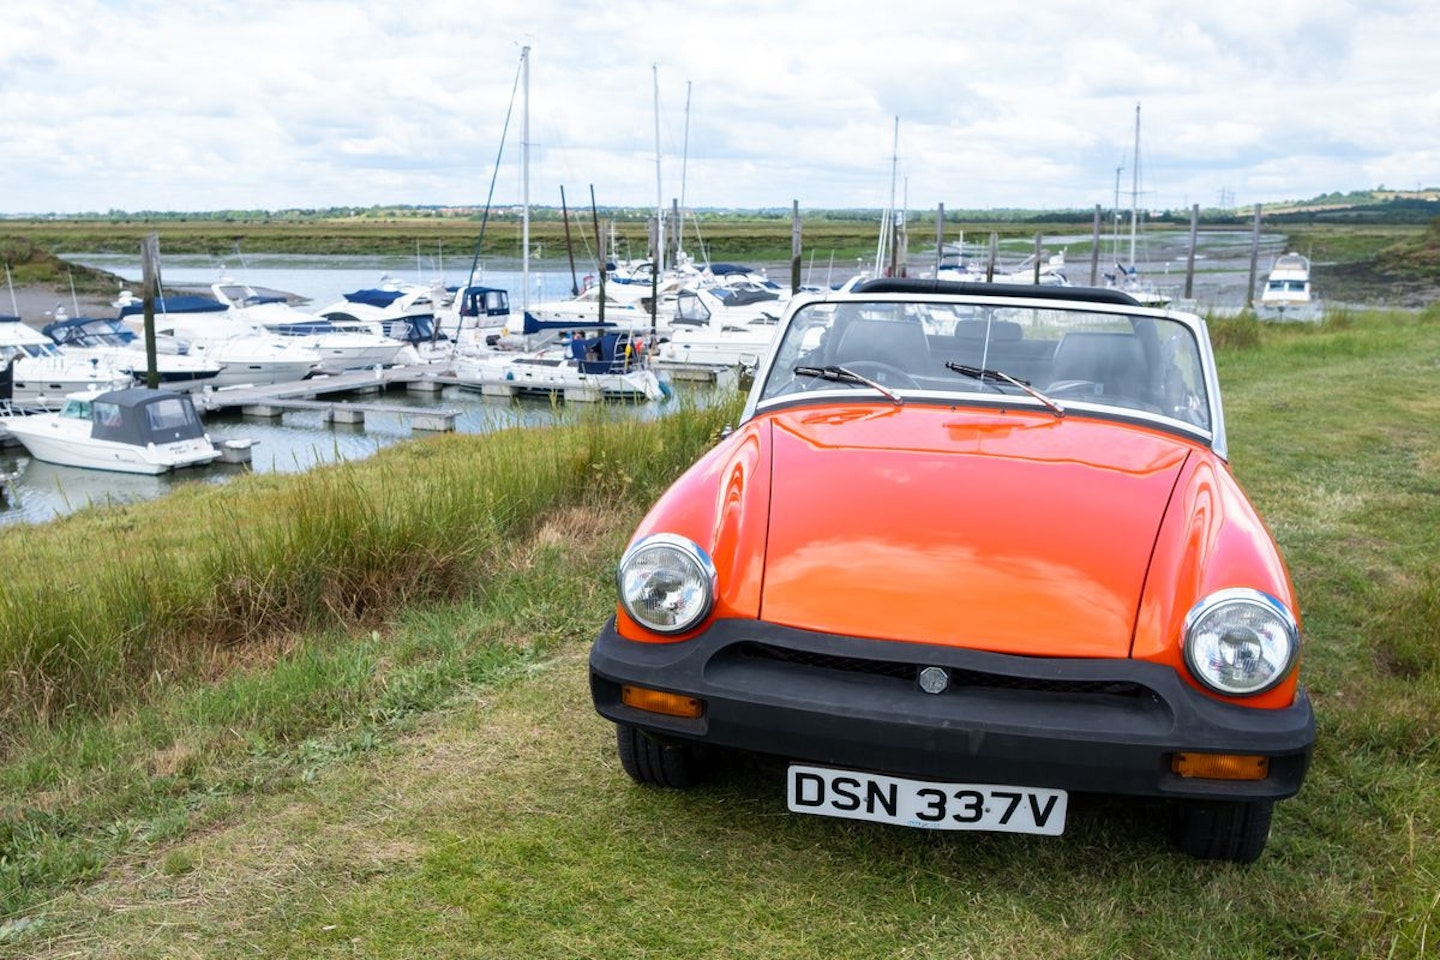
(960,679)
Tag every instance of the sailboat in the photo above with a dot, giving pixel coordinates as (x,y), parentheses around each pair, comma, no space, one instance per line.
(1127,277)
(589,362)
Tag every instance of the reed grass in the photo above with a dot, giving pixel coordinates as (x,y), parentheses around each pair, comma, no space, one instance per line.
(101,605)
(433,780)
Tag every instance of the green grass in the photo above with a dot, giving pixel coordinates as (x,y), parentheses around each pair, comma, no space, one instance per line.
(424,775)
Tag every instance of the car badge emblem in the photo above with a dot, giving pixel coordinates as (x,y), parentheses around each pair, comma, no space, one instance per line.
(934,679)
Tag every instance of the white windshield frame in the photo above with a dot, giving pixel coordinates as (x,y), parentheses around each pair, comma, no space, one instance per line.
(1212,435)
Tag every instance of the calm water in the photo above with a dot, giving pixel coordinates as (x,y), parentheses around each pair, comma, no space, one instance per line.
(300,439)
(291,444)
(325,280)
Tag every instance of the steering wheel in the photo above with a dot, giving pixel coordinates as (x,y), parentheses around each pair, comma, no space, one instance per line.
(882,372)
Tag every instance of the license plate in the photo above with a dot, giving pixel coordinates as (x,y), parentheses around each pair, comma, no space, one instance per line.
(924,804)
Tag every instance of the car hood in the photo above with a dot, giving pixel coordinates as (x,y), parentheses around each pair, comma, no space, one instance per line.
(1009,531)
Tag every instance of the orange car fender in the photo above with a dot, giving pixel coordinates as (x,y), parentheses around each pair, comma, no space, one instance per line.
(722,503)
(1210,538)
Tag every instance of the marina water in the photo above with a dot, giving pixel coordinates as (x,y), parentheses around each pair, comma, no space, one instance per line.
(299,439)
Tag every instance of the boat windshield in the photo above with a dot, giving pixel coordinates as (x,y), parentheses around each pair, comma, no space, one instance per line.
(1070,354)
(171,413)
(76,409)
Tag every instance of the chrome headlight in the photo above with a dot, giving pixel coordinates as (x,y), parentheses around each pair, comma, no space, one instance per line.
(666,583)
(1240,642)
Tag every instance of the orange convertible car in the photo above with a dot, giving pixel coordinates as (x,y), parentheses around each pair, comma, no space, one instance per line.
(972,548)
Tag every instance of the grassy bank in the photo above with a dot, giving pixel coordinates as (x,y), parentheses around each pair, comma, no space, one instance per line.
(396,756)
(720,237)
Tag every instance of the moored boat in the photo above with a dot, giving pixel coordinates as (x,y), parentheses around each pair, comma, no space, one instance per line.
(717,329)
(135,430)
(1288,294)
(107,339)
(354,346)
(250,357)
(607,366)
(42,371)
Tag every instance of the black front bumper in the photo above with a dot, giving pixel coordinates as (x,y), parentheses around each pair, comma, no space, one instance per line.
(1102,726)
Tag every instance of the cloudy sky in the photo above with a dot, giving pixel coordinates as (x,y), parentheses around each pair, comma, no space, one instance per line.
(273,104)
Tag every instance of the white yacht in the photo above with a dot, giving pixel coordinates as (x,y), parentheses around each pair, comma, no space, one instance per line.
(1287,294)
(435,320)
(41,371)
(108,340)
(249,357)
(716,329)
(355,347)
(606,366)
(135,430)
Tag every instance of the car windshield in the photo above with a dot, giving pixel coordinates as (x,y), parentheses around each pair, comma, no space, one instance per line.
(1067,353)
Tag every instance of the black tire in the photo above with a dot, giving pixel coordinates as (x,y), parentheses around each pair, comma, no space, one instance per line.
(1223,830)
(660,763)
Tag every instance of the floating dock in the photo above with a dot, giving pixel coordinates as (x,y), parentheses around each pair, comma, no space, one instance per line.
(273,400)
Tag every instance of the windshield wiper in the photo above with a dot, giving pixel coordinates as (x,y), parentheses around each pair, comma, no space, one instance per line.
(984,374)
(842,375)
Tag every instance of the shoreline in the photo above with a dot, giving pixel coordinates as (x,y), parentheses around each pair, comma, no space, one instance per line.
(36,304)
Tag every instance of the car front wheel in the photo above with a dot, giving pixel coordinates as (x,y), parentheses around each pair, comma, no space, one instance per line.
(659,763)
(1223,830)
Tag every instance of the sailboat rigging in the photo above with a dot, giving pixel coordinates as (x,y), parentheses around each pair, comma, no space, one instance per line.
(1127,278)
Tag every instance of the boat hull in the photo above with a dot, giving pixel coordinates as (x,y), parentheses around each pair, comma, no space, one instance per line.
(47,438)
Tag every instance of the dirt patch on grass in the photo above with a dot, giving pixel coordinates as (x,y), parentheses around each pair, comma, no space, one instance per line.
(1364,284)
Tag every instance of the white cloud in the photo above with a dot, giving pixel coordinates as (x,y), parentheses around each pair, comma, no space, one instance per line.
(187,105)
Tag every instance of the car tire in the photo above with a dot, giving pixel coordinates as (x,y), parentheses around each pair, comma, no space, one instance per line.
(659,763)
(1223,830)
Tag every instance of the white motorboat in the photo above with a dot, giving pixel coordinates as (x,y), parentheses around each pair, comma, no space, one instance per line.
(608,366)
(624,306)
(107,339)
(249,357)
(355,347)
(435,320)
(135,430)
(42,371)
(1287,294)
(717,328)
(956,268)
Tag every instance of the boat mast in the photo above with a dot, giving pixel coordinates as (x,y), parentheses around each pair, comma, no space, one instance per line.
(884,246)
(1115,220)
(894,213)
(659,197)
(525,186)
(1135,186)
(684,162)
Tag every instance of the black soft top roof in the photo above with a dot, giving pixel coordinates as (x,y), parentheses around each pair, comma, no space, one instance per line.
(973,289)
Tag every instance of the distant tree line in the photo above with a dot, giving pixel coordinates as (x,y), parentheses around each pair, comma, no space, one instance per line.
(1378,206)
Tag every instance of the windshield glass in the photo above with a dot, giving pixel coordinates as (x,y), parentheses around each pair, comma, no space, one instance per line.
(1143,363)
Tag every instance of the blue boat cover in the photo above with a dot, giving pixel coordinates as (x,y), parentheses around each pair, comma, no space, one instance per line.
(182,304)
(598,354)
(531,325)
(374,297)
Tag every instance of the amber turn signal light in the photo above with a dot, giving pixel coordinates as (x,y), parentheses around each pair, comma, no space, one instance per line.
(658,701)
(1221,766)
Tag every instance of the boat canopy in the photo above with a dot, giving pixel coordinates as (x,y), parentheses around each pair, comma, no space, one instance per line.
(607,353)
(190,303)
(374,297)
(484,302)
(727,269)
(532,326)
(140,416)
(83,331)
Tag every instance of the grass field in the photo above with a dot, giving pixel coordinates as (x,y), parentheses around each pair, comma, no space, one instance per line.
(393,754)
